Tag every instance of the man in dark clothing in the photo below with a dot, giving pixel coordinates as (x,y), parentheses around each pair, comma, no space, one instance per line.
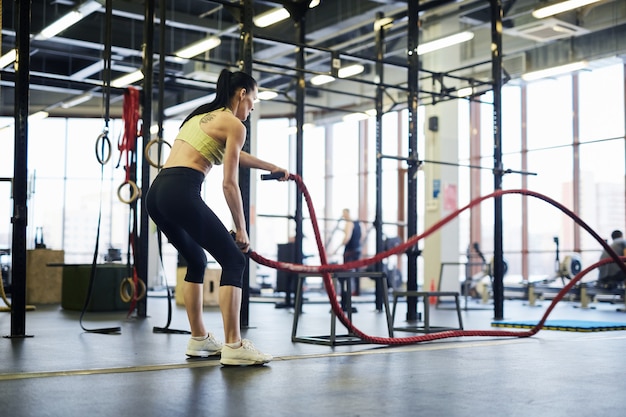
(611,275)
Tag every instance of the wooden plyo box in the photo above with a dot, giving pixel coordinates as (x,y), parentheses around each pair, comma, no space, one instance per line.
(43,282)
(105,295)
(211,286)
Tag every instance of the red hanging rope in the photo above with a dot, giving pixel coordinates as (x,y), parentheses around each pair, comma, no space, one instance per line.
(326,269)
(131,115)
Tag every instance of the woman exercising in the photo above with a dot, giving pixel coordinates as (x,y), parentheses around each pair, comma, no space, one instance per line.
(213,134)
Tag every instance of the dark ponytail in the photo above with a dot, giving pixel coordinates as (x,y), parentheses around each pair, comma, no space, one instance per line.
(228,84)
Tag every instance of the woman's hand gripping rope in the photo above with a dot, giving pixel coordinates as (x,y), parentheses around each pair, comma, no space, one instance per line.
(326,269)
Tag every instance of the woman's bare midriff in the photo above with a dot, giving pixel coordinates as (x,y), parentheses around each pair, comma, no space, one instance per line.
(184,155)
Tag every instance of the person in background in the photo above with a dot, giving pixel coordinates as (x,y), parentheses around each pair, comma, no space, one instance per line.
(213,134)
(351,252)
(611,276)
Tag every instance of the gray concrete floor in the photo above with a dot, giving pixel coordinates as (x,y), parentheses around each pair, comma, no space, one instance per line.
(64,371)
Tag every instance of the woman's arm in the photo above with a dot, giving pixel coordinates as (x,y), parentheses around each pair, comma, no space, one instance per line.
(230,184)
(249,161)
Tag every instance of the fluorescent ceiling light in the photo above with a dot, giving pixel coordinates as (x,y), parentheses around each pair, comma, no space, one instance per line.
(38,115)
(355,117)
(8,58)
(127,79)
(345,72)
(77,100)
(322,79)
(560,7)
(464,92)
(88,70)
(188,106)
(198,47)
(192,82)
(68,20)
(444,42)
(270,17)
(350,70)
(267,95)
(554,71)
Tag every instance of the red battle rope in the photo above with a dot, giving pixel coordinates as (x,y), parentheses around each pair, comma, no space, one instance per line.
(326,269)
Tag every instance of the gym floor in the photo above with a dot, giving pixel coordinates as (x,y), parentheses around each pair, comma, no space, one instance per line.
(64,371)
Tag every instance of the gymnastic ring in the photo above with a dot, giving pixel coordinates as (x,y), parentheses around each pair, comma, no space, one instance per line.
(105,140)
(135,194)
(147,151)
(128,290)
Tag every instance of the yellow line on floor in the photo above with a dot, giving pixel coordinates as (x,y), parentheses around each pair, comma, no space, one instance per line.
(215,361)
(117,370)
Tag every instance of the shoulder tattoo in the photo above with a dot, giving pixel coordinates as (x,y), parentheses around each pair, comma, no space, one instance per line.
(207,118)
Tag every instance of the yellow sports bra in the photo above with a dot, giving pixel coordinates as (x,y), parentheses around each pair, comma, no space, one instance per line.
(192,133)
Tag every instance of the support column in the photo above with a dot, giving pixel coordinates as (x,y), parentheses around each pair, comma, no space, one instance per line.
(496,69)
(245,65)
(413,85)
(20,170)
(141,261)
(380,90)
(441,191)
(475,180)
(576,158)
(524,162)
(298,13)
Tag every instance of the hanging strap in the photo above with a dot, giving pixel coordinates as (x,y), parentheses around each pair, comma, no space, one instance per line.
(103,139)
(160,142)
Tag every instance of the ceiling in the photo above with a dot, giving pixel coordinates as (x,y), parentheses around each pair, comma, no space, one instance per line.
(70,64)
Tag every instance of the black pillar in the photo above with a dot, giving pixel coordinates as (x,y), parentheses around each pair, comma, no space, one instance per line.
(141,261)
(380,90)
(245,65)
(413,75)
(300,92)
(496,68)
(298,12)
(20,170)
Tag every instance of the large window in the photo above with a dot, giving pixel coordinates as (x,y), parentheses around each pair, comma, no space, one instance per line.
(602,150)
(67,187)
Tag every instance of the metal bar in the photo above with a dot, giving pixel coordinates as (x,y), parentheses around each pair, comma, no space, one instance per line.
(380,51)
(328,50)
(20,171)
(413,82)
(141,262)
(245,56)
(300,25)
(524,157)
(496,55)
(475,182)
(298,69)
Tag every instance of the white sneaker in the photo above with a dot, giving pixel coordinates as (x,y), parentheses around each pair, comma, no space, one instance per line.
(247,354)
(204,348)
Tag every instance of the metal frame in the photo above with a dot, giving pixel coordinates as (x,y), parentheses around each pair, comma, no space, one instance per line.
(333,339)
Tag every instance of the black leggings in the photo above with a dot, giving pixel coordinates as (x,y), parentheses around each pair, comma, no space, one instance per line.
(175,205)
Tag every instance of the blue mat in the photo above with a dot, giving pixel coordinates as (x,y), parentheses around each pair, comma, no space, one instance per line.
(564,325)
